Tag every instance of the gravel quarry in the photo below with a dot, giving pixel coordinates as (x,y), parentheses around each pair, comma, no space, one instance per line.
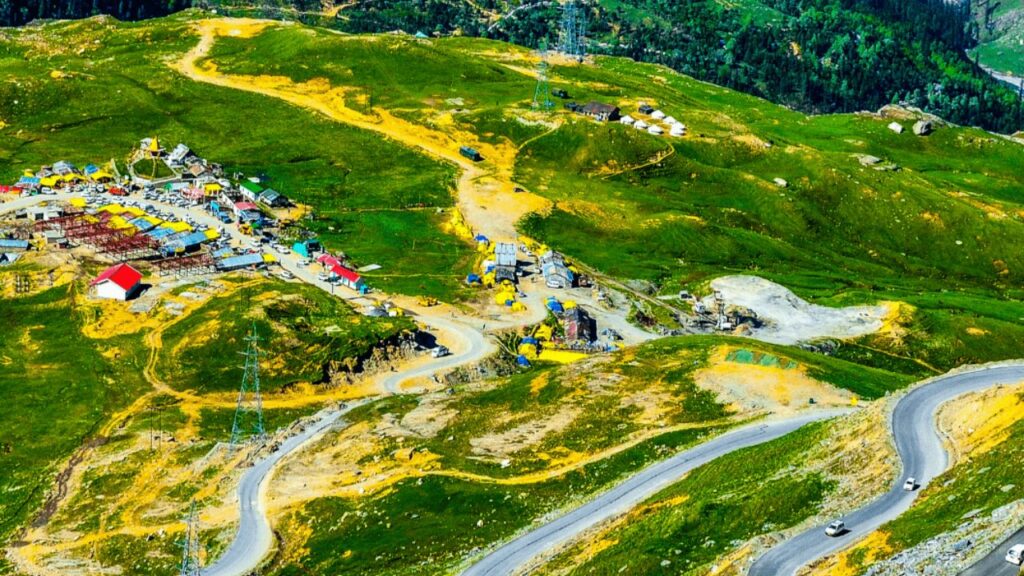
(789,319)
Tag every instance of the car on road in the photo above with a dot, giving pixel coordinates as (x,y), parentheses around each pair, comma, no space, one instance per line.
(322,277)
(304,262)
(439,352)
(910,485)
(1015,555)
(835,528)
(285,275)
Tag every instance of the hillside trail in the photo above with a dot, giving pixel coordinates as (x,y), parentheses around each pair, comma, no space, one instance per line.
(485,191)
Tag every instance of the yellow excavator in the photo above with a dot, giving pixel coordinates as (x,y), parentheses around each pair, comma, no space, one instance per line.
(427,301)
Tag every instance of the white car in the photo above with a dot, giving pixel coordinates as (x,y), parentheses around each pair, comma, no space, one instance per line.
(1015,555)
(910,485)
(439,352)
(286,275)
(835,528)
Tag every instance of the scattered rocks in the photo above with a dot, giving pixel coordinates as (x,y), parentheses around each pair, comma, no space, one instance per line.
(867,159)
(896,127)
(781,183)
(922,127)
(947,554)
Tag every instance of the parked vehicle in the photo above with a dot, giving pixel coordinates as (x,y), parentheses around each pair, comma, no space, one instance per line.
(286,275)
(835,528)
(1015,555)
(439,352)
(910,485)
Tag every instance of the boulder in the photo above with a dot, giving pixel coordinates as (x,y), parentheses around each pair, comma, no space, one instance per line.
(922,127)
(896,127)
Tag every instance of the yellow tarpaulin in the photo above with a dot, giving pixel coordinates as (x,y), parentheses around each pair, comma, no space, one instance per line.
(77,202)
(101,175)
(153,220)
(561,356)
(178,226)
(543,332)
(154,145)
(50,181)
(212,234)
(502,297)
(133,211)
(269,258)
(118,223)
(212,187)
(528,350)
(113,208)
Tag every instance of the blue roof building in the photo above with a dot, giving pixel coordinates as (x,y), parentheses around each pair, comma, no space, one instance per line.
(13,244)
(239,262)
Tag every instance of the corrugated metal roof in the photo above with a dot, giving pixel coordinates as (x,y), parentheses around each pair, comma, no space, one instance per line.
(505,254)
(13,243)
(243,261)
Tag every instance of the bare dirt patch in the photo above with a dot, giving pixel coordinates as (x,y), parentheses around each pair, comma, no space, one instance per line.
(789,319)
(747,388)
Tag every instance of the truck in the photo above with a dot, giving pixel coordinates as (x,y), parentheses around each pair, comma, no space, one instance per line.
(470,153)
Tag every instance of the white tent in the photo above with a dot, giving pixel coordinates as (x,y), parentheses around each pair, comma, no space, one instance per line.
(627,120)
(678,130)
(641,125)
(671,120)
(658,115)
(656,130)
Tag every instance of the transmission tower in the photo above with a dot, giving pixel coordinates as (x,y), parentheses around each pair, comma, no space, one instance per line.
(249,414)
(542,94)
(190,545)
(573,35)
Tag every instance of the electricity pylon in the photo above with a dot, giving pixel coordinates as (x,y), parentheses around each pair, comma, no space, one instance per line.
(542,94)
(190,545)
(573,35)
(249,413)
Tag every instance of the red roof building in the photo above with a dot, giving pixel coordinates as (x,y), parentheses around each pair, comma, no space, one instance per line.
(118,282)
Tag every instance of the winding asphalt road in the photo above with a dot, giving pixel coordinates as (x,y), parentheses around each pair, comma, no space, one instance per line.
(920,448)
(995,563)
(255,537)
(515,555)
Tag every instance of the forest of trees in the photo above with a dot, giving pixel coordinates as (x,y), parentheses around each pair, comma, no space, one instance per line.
(816,56)
(812,55)
(18,12)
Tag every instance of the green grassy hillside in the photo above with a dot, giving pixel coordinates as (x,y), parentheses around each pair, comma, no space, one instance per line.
(939,230)
(1001,30)
(59,389)
(631,409)
(87,91)
(303,333)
